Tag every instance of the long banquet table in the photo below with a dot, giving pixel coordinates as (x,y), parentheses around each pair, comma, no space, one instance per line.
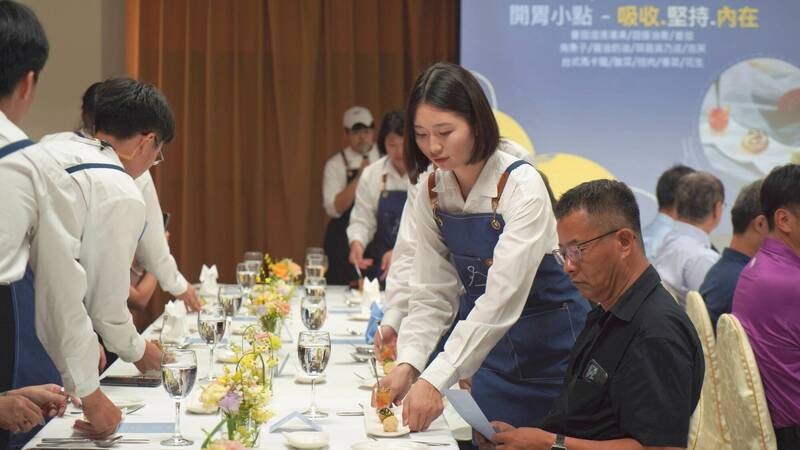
(339,393)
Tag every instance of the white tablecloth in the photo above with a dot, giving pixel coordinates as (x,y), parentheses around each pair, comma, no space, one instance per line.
(339,393)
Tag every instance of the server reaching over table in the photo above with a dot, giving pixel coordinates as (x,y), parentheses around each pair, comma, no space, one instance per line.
(380,197)
(484,218)
(73,202)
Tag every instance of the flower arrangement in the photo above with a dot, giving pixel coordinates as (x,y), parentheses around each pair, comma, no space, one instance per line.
(285,269)
(270,303)
(243,396)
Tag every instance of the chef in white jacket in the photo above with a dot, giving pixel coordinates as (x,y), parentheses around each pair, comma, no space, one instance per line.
(82,216)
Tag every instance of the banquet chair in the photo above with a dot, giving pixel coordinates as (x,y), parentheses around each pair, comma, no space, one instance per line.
(742,393)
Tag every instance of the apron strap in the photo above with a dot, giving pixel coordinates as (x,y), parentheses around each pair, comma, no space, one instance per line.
(501,185)
(383,185)
(434,197)
(14,146)
(80,167)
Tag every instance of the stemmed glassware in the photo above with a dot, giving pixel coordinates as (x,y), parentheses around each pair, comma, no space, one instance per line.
(178,374)
(314,351)
(313,311)
(211,325)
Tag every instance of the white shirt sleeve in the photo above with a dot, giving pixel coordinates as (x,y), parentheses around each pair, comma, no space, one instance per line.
(364,217)
(153,250)
(18,215)
(697,268)
(528,234)
(334,180)
(62,322)
(113,228)
(398,290)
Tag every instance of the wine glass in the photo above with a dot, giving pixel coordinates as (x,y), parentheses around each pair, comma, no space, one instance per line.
(178,374)
(211,325)
(315,286)
(230,298)
(315,266)
(313,311)
(246,273)
(315,251)
(256,257)
(313,351)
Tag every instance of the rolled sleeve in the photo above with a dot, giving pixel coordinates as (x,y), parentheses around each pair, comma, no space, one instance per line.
(334,180)
(363,218)
(112,232)
(153,251)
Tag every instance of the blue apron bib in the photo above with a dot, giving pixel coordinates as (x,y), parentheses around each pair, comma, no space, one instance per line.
(523,373)
(390,209)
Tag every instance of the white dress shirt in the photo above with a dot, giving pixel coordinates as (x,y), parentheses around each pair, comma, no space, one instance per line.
(15,219)
(153,252)
(684,258)
(83,233)
(653,234)
(334,178)
(364,217)
(398,290)
(529,233)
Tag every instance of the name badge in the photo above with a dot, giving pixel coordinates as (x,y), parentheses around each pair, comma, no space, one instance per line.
(595,373)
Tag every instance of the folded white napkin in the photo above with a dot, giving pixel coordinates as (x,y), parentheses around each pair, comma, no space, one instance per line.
(371,293)
(176,327)
(208,279)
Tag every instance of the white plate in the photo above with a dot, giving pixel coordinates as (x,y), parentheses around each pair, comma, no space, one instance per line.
(374,427)
(388,445)
(302,378)
(729,144)
(360,317)
(307,439)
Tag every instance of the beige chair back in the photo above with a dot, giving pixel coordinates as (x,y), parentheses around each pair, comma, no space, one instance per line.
(743,399)
(708,428)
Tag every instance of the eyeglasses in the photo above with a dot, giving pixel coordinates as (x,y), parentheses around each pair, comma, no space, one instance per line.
(574,252)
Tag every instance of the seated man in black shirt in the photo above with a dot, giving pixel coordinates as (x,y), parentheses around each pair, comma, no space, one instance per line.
(636,370)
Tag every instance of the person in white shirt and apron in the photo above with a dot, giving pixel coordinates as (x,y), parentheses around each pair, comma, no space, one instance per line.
(380,198)
(153,253)
(339,182)
(398,289)
(73,203)
(483,217)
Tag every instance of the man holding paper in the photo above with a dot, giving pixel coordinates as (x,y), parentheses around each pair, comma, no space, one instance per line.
(635,373)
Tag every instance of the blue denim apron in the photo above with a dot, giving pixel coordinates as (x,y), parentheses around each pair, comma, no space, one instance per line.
(340,271)
(523,373)
(390,209)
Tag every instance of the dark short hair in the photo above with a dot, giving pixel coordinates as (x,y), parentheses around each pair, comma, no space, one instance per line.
(126,107)
(88,101)
(746,207)
(453,88)
(611,202)
(23,45)
(781,189)
(697,194)
(392,123)
(668,184)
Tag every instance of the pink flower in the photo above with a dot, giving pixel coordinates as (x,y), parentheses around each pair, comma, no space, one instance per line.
(233,445)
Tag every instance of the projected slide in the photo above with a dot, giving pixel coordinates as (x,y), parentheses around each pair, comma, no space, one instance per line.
(626,89)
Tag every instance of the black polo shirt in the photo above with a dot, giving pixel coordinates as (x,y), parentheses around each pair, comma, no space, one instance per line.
(635,371)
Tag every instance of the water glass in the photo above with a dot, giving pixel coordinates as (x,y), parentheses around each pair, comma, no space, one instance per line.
(178,374)
(211,324)
(314,351)
(313,311)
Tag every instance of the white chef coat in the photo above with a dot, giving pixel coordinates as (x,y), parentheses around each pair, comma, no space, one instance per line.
(364,217)
(13,254)
(153,251)
(83,232)
(334,178)
(529,233)
(398,290)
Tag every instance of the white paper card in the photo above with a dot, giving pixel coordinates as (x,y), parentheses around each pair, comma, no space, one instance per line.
(466,407)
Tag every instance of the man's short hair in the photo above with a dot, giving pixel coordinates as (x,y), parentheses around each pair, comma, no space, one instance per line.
(126,107)
(668,184)
(697,195)
(781,189)
(746,207)
(23,45)
(611,202)
(88,101)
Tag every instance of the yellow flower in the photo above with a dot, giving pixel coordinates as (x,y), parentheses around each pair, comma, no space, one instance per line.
(275,341)
(262,415)
(212,394)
